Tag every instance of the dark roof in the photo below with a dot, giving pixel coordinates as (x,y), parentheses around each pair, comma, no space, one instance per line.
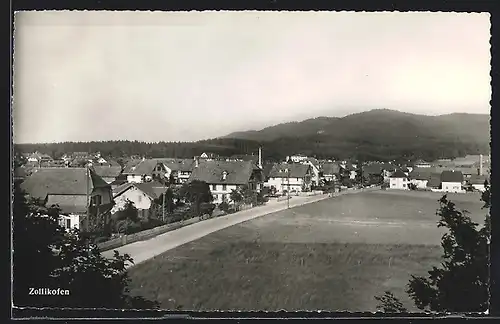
(294,170)
(266,169)
(140,167)
(419,175)
(238,172)
(183,165)
(107,171)
(373,168)
(398,174)
(147,166)
(452,176)
(62,181)
(330,168)
(434,180)
(246,157)
(70,204)
(477,179)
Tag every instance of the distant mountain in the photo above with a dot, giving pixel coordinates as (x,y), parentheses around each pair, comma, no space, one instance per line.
(380,125)
(379,133)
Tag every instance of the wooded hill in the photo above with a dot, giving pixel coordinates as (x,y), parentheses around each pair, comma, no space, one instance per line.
(380,134)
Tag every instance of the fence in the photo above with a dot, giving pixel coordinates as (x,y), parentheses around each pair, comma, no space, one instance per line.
(144,235)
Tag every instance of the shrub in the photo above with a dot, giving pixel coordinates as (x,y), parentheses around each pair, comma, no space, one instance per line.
(224,206)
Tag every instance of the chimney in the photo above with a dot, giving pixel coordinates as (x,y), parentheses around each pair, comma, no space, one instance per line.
(260,157)
(480,164)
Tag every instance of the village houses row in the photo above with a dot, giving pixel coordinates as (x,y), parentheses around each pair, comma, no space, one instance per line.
(83,180)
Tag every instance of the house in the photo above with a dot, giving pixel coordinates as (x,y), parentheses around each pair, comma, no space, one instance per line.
(79,192)
(349,169)
(139,170)
(434,182)
(477,182)
(315,168)
(330,171)
(296,158)
(142,195)
(38,158)
(108,172)
(421,164)
(208,156)
(419,178)
(180,168)
(225,176)
(399,180)
(451,181)
(295,176)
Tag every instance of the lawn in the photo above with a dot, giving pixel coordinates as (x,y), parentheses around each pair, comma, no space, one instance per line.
(333,255)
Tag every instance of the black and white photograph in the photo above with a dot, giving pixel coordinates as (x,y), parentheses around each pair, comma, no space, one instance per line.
(251,161)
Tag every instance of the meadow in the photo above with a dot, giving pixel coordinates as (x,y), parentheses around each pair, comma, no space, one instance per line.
(334,255)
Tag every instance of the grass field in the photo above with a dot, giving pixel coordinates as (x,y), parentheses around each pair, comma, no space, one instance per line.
(333,255)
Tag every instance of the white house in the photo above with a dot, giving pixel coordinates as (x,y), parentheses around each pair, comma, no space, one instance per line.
(422,164)
(451,181)
(330,171)
(399,180)
(419,179)
(77,191)
(295,176)
(142,195)
(223,177)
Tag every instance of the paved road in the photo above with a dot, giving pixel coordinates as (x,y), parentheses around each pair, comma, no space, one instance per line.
(145,250)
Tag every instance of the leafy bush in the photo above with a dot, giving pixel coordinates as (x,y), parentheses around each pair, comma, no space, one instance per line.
(207,208)
(224,206)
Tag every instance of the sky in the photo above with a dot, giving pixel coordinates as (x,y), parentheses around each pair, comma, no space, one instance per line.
(185,76)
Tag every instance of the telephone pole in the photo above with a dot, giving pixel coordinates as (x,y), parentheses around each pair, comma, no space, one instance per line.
(288,191)
(163,208)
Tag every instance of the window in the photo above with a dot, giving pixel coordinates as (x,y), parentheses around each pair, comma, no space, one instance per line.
(214,187)
(224,187)
(68,223)
(139,199)
(298,179)
(95,200)
(404,185)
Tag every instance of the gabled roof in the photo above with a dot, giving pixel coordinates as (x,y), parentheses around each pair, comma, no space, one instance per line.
(62,181)
(419,175)
(434,180)
(237,172)
(70,204)
(452,176)
(330,168)
(292,170)
(398,174)
(183,165)
(266,169)
(478,179)
(146,166)
(107,171)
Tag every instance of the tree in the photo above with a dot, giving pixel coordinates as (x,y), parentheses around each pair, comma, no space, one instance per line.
(196,192)
(236,197)
(64,260)
(461,283)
